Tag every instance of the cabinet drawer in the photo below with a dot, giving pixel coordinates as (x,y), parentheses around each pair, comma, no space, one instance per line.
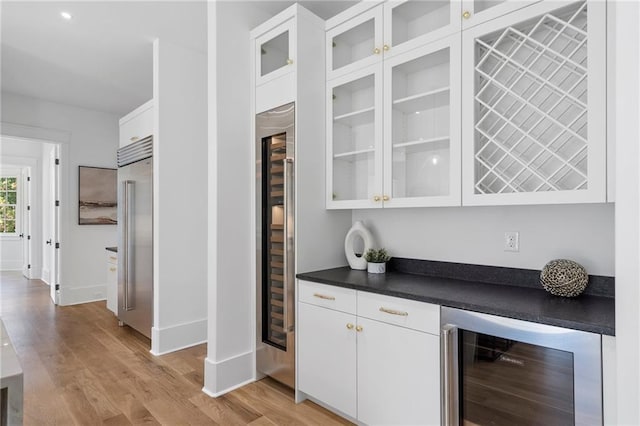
(328,296)
(393,310)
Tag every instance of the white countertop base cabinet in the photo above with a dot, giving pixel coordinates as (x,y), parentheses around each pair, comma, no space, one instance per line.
(328,346)
(112,281)
(378,363)
(398,375)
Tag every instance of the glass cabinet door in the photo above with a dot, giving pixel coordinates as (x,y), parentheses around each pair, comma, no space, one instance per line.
(422,131)
(409,24)
(535,102)
(355,44)
(475,12)
(274,52)
(354,140)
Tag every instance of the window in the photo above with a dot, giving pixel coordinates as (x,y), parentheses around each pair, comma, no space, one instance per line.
(8,204)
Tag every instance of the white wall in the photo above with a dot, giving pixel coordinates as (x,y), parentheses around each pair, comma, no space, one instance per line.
(180,197)
(584,233)
(91,140)
(231,331)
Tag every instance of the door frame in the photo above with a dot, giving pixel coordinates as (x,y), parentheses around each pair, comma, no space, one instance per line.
(26,230)
(60,140)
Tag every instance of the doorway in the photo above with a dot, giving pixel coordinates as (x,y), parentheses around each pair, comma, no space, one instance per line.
(30,182)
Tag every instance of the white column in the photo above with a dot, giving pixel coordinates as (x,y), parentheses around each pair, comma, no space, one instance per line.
(627,215)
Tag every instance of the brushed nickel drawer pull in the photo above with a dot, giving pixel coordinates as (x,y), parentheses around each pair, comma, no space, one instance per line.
(393,312)
(322,296)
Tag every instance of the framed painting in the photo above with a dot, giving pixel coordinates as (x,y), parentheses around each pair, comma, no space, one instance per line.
(97,196)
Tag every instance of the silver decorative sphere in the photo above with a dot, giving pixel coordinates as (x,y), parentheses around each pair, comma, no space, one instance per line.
(563,277)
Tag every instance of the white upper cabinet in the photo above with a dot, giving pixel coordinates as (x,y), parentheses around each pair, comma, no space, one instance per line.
(522,83)
(393,131)
(422,126)
(409,24)
(274,52)
(137,125)
(475,12)
(534,106)
(388,29)
(355,44)
(354,139)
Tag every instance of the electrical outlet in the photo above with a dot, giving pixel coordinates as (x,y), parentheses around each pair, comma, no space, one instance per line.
(512,241)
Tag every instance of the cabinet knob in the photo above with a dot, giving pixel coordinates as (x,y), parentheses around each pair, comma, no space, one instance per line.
(386,47)
(376,51)
(289,61)
(112,269)
(358,328)
(134,138)
(350,326)
(385,198)
(466,14)
(376,198)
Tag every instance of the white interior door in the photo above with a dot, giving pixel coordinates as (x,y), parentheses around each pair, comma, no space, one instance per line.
(25,228)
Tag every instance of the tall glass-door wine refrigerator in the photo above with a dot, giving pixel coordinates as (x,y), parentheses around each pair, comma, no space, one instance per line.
(275,203)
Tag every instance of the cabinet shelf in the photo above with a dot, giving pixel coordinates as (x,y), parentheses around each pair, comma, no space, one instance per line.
(423,101)
(351,155)
(278,145)
(356,118)
(421,142)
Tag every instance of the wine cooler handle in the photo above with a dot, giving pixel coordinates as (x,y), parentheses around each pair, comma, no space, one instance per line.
(449,357)
(289,278)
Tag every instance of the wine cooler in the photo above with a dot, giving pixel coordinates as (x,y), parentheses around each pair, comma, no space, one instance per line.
(275,175)
(502,371)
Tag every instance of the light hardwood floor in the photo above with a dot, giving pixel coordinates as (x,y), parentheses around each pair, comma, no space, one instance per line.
(81,368)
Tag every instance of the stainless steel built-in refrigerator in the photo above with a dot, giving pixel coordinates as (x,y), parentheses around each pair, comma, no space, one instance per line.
(135,235)
(275,180)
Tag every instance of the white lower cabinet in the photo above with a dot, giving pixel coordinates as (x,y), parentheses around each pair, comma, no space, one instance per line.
(398,375)
(383,371)
(112,281)
(328,349)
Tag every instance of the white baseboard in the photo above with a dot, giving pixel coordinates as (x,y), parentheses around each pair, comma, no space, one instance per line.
(45,276)
(170,339)
(38,274)
(224,376)
(77,295)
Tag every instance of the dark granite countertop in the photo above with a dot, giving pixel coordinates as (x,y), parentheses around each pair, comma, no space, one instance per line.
(113,249)
(587,312)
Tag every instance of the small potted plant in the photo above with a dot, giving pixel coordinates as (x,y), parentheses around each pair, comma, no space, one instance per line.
(377,260)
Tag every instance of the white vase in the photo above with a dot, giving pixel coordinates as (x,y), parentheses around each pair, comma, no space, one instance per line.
(357,230)
(376,268)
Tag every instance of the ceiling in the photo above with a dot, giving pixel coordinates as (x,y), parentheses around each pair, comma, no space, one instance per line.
(101,59)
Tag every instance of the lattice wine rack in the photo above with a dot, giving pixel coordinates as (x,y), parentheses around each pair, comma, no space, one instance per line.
(531,105)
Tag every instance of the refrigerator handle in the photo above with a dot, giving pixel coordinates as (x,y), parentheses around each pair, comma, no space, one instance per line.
(289,278)
(128,193)
(449,359)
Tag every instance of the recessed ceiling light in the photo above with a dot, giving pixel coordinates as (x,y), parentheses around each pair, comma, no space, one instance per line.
(66,15)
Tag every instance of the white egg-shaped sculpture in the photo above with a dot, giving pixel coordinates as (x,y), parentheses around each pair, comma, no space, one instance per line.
(357,230)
